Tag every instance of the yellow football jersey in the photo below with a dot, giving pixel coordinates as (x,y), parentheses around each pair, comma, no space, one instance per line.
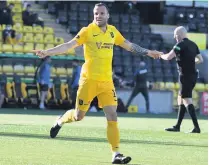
(98,51)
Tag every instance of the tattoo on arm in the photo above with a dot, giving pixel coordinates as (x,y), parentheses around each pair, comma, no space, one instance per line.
(136,49)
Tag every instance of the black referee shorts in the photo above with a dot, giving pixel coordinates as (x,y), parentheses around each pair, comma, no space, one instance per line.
(43,87)
(187,83)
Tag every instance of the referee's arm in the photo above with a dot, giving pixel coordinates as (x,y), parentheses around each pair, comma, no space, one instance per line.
(169,55)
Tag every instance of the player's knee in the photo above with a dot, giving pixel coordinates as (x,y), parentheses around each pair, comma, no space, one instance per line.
(78,117)
(187,101)
(110,112)
(179,100)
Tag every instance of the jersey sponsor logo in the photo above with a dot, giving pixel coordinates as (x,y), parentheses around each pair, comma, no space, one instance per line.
(112,34)
(101,45)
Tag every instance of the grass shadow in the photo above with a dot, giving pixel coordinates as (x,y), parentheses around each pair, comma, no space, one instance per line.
(97,114)
(91,139)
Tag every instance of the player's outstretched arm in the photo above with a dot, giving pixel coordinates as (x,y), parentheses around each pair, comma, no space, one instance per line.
(169,55)
(59,49)
(136,49)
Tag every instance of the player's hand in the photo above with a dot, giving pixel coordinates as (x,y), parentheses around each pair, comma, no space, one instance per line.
(154,54)
(161,55)
(40,53)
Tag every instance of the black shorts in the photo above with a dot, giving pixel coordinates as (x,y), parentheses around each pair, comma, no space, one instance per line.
(44,87)
(187,83)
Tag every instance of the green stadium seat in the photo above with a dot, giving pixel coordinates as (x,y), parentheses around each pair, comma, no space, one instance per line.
(7,69)
(7,90)
(17,18)
(53,72)
(58,40)
(49,39)
(177,86)
(19,69)
(169,85)
(7,48)
(39,47)
(39,38)
(28,47)
(18,48)
(200,87)
(195,94)
(17,8)
(206,87)
(17,27)
(27,29)
(48,46)
(48,30)
(29,70)
(37,29)
(28,38)
(3,27)
(61,72)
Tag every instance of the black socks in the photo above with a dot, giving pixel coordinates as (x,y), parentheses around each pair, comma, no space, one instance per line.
(191,110)
(181,113)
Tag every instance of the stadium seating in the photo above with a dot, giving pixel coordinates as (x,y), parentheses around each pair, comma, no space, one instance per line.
(79,14)
(28,47)
(61,72)
(7,90)
(6,48)
(69,72)
(29,70)
(21,92)
(193,18)
(199,87)
(30,94)
(64,90)
(53,72)
(19,69)
(18,49)
(37,29)
(7,69)
(53,101)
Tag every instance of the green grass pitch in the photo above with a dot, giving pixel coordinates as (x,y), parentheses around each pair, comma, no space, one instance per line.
(24,140)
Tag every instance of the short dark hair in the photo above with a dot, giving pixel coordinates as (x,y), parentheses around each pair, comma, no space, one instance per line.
(102,4)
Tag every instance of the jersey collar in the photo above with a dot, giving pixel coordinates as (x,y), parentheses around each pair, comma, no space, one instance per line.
(97,28)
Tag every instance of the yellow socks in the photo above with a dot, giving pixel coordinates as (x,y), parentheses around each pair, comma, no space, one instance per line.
(112,129)
(113,135)
(68,117)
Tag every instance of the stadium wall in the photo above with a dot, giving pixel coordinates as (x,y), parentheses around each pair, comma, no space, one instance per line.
(160,101)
